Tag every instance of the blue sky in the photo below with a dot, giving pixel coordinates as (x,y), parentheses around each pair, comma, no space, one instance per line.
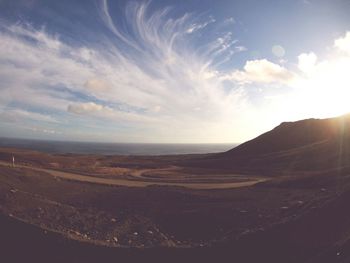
(169,71)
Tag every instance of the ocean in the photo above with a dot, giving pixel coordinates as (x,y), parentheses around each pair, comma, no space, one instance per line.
(61,147)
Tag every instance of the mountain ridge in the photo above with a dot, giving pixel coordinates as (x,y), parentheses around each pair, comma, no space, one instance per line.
(316,145)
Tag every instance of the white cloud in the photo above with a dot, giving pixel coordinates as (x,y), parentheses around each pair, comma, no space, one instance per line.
(307,62)
(39,36)
(343,43)
(18,115)
(240,48)
(97,85)
(230,20)
(198,26)
(157,84)
(43,130)
(261,71)
(105,113)
(85,108)
(321,88)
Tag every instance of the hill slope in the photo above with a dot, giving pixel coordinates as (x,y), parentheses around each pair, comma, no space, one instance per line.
(317,145)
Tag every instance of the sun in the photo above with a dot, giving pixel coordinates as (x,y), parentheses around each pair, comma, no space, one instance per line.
(324,90)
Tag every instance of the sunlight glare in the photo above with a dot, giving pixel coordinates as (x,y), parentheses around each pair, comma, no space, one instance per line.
(324,91)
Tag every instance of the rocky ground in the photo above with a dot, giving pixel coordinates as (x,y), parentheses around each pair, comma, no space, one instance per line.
(302,217)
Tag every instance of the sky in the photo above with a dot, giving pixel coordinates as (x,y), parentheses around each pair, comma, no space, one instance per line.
(169,71)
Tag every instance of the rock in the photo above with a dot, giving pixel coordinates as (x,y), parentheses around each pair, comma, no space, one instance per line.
(150,232)
(75,233)
(115,239)
(13,191)
(284,207)
(135,233)
(113,220)
(246,232)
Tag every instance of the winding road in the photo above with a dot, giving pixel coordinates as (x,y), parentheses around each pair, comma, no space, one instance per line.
(138,183)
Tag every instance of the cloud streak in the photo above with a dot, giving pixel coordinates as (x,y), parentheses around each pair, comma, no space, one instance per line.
(261,71)
(150,77)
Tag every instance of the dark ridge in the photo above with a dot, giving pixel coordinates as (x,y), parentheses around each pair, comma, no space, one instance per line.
(306,145)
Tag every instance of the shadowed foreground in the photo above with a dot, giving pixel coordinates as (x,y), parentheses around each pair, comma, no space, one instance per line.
(64,208)
(21,242)
(304,219)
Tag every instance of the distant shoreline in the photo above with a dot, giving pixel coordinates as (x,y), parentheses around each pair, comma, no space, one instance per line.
(65,147)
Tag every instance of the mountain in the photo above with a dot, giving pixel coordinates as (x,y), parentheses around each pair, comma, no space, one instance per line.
(311,145)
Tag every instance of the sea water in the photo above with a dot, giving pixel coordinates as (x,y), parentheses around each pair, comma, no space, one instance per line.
(62,147)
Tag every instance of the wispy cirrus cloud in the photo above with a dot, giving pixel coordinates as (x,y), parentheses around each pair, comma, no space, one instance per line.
(150,77)
(197,26)
(18,115)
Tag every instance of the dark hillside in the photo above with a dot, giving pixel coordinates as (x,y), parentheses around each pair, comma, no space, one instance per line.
(318,145)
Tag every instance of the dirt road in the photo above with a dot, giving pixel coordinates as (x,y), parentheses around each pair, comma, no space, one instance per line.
(138,183)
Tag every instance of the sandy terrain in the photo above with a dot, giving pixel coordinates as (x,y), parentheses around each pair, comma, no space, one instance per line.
(91,208)
(137,179)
